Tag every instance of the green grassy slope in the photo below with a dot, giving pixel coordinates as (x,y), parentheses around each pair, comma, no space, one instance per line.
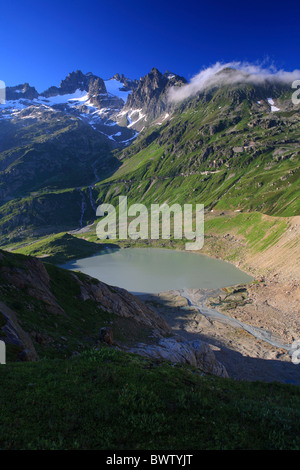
(49,306)
(60,248)
(112,400)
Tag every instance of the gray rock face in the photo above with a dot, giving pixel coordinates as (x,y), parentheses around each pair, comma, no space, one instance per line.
(15,335)
(127,82)
(178,350)
(77,81)
(24,91)
(124,304)
(151,92)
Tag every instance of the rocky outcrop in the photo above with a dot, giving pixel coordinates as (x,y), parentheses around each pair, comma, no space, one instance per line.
(24,91)
(12,334)
(151,87)
(128,83)
(151,93)
(32,276)
(113,309)
(106,336)
(124,304)
(77,81)
(178,350)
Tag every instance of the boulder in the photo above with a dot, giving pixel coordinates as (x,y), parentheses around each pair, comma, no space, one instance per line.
(106,335)
(14,335)
(177,350)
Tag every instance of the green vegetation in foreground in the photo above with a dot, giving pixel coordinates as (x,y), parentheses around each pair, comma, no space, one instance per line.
(61,248)
(111,400)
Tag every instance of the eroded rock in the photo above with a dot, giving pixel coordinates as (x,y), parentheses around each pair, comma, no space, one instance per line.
(177,350)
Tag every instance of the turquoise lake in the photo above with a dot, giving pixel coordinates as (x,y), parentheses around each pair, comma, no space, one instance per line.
(153,270)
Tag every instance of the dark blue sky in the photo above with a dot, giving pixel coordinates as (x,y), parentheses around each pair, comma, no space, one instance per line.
(41,41)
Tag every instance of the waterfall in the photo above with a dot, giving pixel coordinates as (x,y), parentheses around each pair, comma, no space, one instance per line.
(83,208)
(92,200)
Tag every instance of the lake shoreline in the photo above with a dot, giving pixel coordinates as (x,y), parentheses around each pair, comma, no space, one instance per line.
(152,270)
(264,310)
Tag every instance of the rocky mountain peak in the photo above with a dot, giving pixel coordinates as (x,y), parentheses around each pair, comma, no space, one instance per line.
(77,81)
(129,84)
(151,92)
(24,91)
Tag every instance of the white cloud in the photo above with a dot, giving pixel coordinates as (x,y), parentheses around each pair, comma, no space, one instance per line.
(244,73)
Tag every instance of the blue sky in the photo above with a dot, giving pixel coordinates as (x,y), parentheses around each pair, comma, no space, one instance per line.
(41,41)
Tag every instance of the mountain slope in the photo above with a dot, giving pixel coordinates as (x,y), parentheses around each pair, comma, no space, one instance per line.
(233,146)
(79,328)
(226,148)
(149,100)
(51,153)
(62,312)
(54,146)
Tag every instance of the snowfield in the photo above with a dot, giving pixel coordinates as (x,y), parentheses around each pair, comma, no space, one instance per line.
(113,87)
(271,103)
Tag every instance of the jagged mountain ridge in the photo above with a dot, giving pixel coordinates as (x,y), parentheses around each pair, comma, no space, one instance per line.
(84,96)
(67,130)
(109,106)
(149,100)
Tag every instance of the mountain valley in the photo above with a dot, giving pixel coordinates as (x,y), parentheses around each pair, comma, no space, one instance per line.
(234,146)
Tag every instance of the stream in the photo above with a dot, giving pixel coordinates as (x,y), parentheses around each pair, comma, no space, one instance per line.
(212,314)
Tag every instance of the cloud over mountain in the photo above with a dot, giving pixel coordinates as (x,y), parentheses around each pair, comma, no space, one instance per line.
(231,73)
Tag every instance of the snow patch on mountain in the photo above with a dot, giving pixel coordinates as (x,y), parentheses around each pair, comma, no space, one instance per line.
(134,116)
(79,95)
(271,103)
(114,87)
